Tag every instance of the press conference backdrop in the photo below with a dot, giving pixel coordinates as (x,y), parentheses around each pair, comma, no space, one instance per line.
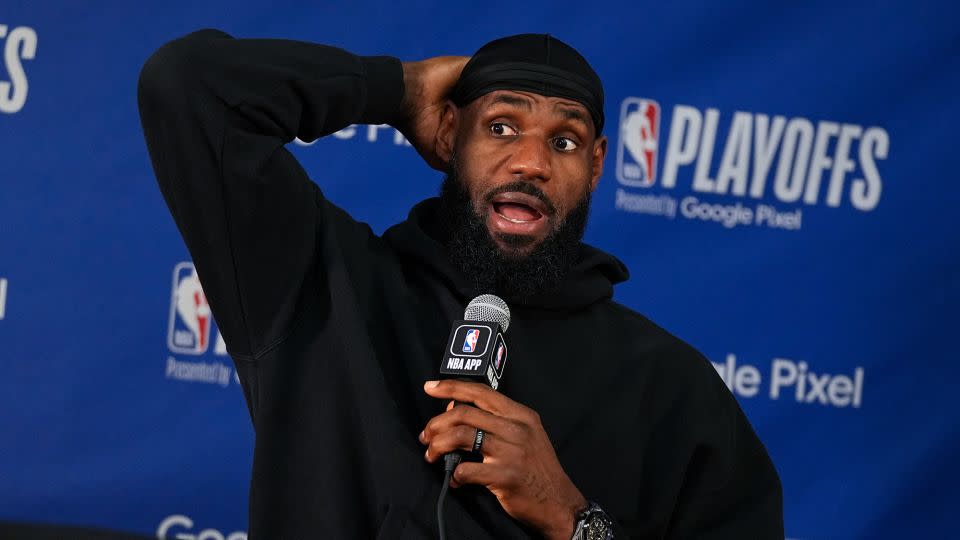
(781,182)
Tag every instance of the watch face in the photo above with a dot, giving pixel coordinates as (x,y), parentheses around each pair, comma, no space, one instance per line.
(594,525)
(595,530)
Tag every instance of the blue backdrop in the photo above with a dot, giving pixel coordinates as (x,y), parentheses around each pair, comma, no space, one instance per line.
(781,183)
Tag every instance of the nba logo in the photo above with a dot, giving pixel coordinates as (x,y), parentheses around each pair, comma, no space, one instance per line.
(500,357)
(637,150)
(470,343)
(190,318)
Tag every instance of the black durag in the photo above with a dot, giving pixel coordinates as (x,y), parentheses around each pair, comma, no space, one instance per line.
(538,63)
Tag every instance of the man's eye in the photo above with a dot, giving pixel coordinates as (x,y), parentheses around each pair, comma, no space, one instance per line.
(564,144)
(500,129)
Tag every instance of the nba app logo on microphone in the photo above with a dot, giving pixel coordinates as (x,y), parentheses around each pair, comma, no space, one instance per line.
(470,343)
(637,149)
(190,317)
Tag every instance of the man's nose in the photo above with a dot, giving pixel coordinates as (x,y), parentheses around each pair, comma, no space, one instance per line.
(531,158)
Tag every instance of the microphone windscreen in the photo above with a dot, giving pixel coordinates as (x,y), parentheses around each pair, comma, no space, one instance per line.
(488,308)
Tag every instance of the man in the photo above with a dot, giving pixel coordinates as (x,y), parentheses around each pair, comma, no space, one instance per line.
(605,422)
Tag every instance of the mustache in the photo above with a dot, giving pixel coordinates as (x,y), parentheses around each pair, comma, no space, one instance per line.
(526,188)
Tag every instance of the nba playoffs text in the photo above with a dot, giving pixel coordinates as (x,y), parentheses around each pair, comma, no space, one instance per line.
(744,168)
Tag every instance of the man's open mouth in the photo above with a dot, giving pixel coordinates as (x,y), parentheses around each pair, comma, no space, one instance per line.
(516,215)
(518,207)
(517,212)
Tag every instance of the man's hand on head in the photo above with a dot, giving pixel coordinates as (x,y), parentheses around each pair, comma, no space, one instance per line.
(520,466)
(427,85)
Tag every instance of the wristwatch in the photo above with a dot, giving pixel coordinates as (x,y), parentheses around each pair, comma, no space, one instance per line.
(592,524)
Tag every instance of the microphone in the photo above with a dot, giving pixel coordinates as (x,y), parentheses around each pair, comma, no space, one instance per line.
(476,351)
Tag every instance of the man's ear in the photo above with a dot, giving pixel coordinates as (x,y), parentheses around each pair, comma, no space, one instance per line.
(447,132)
(599,153)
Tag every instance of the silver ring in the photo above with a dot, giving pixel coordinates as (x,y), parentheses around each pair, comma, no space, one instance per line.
(478,440)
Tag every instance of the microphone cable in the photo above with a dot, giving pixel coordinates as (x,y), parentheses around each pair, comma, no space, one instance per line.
(450,462)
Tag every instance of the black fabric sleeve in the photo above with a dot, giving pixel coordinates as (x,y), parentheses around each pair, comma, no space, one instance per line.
(731,489)
(216,113)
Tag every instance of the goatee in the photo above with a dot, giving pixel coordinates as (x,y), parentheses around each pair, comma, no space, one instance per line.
(509,273)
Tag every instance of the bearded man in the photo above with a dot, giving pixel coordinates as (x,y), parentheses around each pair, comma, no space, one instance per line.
(334,330)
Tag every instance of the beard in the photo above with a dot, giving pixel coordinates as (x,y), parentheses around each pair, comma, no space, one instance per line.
(514,271)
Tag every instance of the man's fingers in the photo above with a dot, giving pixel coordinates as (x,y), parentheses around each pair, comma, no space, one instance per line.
(472,417)
(480,395)
(461,438)
(483,474)
(456,438)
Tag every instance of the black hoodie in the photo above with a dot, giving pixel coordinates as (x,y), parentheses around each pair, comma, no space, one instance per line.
(334,330)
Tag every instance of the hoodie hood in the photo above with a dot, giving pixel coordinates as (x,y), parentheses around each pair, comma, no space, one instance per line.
(416,241)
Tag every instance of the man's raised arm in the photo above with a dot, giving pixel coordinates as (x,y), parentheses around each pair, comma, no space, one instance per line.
(216,113)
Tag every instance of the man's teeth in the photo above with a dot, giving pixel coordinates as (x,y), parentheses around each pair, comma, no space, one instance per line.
(517,220)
